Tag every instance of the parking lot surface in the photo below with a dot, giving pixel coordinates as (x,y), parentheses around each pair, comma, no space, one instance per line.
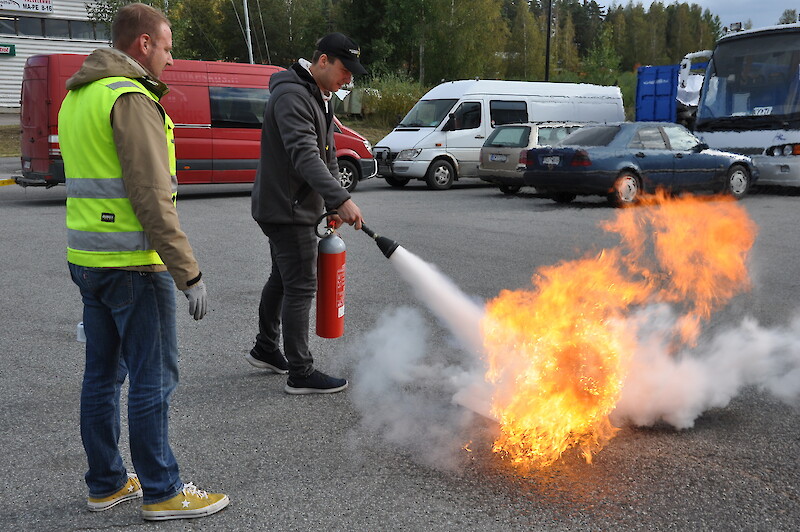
(339,462)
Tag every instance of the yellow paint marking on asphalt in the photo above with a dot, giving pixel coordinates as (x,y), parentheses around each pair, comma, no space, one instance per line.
(7,181)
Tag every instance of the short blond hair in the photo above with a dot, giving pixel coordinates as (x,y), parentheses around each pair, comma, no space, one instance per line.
(133,20)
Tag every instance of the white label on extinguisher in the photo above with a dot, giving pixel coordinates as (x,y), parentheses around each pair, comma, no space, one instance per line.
(340,279)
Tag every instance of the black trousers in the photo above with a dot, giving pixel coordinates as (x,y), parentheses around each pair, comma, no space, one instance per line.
(288,295)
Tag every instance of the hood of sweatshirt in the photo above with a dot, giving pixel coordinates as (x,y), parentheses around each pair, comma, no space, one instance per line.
(299,75)
(108,62)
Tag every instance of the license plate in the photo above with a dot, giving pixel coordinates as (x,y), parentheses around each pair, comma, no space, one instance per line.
(551,160)
(497,157)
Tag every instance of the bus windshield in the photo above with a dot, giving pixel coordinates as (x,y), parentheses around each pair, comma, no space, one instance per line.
(427,113)
(752,80)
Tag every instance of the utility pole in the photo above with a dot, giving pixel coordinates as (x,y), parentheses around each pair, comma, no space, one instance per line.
(247,32)
(547,47)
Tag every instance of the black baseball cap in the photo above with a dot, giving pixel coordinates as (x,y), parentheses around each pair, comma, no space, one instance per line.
(344,49)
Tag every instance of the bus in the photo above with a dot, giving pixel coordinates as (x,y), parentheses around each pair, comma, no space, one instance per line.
(750,100)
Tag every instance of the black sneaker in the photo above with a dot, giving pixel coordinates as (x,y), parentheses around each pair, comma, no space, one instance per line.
(316,382)
(274,362)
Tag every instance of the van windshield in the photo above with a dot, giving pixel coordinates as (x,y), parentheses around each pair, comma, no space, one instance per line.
(427,113)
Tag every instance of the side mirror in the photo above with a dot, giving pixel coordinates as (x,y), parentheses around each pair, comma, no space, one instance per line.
(700,147)
(450,125)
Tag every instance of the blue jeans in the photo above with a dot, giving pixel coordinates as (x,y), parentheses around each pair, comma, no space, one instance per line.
(129,320)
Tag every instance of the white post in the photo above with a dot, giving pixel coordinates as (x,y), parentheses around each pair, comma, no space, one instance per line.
(247,32)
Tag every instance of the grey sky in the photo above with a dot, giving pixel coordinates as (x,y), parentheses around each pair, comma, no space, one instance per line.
(760,12)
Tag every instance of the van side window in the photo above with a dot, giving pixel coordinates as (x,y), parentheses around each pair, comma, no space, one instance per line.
(507,112)
(237,107)
(467,116)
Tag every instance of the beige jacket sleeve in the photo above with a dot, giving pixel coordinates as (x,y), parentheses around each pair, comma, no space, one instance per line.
(141,146)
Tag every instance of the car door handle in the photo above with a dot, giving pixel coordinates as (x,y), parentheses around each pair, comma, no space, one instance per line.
(679,156)
(479,137)
(639,154)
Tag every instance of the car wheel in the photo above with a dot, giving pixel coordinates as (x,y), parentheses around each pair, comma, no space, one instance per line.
(626,190)
(737,182)
(509,189)
(563,197)
(348,175)
(440,175)
(396,182)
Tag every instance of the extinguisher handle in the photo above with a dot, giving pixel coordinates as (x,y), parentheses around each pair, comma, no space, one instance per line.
(330,227)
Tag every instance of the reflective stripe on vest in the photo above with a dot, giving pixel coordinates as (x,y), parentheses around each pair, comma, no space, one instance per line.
(102,228)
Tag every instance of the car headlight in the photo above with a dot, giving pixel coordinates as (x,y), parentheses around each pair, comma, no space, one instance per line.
(368,146)
(784,150)
(407,155)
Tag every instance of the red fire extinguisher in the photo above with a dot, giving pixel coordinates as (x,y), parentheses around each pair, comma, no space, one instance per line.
(330,281)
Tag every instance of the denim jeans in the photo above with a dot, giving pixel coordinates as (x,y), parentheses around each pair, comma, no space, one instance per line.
(129,320)
(288,294)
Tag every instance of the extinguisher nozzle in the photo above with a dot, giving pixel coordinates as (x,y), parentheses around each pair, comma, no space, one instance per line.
(386,245)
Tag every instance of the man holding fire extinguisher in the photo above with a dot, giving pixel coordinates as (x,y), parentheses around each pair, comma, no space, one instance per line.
(296,183)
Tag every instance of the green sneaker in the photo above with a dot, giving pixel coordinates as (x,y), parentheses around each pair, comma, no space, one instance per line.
(189,502)
(131,490)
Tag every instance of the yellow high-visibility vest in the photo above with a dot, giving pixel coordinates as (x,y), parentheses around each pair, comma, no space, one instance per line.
(102,229)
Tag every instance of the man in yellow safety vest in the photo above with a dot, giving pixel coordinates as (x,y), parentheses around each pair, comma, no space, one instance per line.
(127,252)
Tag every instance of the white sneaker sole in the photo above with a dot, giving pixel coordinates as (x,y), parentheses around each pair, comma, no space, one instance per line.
(164,515)
(256,363)
(102,506)
(308,391)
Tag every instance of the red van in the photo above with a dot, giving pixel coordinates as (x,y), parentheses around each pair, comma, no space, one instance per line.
(217,109)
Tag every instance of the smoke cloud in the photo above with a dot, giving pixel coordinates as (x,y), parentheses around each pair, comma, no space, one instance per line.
(663,386)
(404,395)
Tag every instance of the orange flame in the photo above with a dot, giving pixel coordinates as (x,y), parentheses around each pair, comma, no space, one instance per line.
(558,355)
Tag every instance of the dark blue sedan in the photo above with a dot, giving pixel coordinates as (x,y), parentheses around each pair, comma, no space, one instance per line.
(623,161)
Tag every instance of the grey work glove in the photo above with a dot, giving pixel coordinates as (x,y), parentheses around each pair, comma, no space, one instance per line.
(198,299)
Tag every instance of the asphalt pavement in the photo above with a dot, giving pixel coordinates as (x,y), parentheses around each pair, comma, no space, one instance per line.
(386,453)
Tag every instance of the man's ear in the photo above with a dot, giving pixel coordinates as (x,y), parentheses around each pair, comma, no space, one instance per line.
(142,44)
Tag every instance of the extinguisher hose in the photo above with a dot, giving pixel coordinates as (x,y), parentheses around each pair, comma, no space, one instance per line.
(386,245)
(329,228)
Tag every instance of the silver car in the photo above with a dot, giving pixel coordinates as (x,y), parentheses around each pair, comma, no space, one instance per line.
(503,155)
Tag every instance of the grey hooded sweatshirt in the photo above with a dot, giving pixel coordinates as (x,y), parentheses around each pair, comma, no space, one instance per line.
(297,175)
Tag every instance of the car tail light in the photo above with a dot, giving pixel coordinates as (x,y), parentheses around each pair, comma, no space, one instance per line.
(581,158)
(523,158)
(53,148)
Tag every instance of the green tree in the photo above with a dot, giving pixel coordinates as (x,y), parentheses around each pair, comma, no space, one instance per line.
(619,28)
(564,50)
(602,62)
(526,45)
(467,38)
(681,31)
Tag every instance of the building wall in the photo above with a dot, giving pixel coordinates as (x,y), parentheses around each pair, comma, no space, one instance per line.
(30,11)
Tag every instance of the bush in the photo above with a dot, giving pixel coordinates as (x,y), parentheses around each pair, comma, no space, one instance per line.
(389,97)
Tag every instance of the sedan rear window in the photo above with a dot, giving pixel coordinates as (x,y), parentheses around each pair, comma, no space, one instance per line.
(509,137)
(591,136)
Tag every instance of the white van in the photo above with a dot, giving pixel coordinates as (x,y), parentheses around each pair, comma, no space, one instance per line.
(440,139)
